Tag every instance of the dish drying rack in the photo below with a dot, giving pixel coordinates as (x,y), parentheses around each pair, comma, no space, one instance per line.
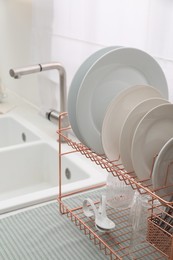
(116,243)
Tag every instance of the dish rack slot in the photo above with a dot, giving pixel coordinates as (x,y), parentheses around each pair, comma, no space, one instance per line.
(116,243)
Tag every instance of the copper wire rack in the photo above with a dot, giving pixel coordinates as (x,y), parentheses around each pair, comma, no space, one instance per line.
(116,244)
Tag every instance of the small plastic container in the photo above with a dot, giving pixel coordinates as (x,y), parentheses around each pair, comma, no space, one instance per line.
(118,194)
(138,218)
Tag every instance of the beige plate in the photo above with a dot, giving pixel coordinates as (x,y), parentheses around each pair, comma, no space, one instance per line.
(129,127)
(151,134)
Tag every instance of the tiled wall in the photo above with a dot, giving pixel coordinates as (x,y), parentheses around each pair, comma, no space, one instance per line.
(68,32)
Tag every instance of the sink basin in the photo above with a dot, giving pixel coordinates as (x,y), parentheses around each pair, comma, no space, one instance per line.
(12,132)
(29,175)
(29,161)
(31,168)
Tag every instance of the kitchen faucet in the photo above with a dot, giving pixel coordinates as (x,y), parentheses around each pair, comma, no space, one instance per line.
(52,115)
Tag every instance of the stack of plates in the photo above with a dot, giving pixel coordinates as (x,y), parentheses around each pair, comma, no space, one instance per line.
(118,105)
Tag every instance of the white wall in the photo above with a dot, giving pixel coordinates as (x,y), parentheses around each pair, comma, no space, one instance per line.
(34,31)
(15,46)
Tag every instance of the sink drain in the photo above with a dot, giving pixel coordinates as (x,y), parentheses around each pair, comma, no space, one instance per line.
(68,173)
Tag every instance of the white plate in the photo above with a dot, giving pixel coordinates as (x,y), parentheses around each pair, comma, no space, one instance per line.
(159,176)
(129,127)
(117,113)
(75,85)
(116,70)
(152,132)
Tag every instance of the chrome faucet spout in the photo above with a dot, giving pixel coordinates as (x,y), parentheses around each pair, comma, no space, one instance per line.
(52,115)
(18,72)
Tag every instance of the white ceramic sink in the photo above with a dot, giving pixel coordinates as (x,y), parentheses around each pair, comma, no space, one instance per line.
(32,167)
(29,163)
(12,132)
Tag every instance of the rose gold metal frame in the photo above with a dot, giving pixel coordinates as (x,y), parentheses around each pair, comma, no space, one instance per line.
(158,234)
